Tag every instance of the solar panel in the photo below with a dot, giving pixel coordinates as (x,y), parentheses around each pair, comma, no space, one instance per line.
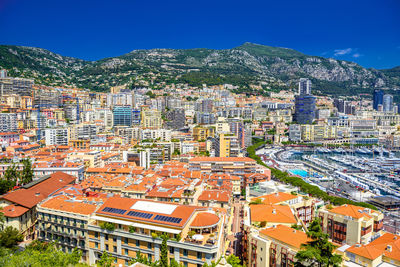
(114,210)
(163,218)
(140,214)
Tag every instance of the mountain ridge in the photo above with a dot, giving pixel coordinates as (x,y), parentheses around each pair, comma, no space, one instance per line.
(249,66)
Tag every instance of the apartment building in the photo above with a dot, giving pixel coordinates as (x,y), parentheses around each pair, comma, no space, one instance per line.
(76,169)
(350,224)
(92,158)
(19,86)
(8,137)
(156,134)
(19,206)
(8,122)
(202,133)
(231,165)
(195,233)
(215,198)
(151,119)
(383,250)
(64,218)
(302,206)
(227,146)
(57,136)
(273,246)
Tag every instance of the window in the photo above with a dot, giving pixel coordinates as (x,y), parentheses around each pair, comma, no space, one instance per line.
(106,236)
(199,255)
(126,252)
(96,235)
(137,243)
(126,240)
(149,245)
(149,257)
(185,252)
(106,247)
(96,245)
(115,249)
(114,239)
(171,250)
(127,262)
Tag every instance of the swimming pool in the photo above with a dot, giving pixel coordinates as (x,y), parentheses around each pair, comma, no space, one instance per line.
(299,172)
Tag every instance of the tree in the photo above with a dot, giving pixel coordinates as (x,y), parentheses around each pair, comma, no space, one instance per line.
(234,261)
(143,259)
(318,251)
(296,226)
(10,237)
(27,171)
(106,260)
(174,263)
(6,185)
(11,174)
(40,254)
(164,251)
(107,226)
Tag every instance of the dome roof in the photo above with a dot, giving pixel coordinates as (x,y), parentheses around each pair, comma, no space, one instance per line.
(204,219)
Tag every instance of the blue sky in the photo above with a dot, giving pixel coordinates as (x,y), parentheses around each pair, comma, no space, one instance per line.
(367,32)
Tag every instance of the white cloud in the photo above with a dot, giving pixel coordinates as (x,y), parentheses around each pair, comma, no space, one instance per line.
(341,52)
(356,55)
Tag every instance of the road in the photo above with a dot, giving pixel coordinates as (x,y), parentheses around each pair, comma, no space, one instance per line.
(235,237)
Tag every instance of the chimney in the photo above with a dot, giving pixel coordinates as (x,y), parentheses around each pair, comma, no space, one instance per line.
(274,211)
(389,248)
(37,194)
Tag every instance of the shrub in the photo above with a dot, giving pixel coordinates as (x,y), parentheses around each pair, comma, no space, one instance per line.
(107,226)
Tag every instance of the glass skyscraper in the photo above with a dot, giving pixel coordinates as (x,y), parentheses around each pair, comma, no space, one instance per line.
(304,109)
(387,103)
(377,98)
(122,115)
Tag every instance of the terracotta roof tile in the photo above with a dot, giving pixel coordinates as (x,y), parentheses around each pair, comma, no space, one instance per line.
(286,235)
(271,214)
(205,219)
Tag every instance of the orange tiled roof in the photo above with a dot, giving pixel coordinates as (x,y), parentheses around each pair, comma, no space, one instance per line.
(205,219)
(365,251)
(351,210)
(216,195)
(275,198)
(183,212)
(30,197)
(61,203)
(13,211)
(380,246)
(272,213)
(286,235)
(225,159)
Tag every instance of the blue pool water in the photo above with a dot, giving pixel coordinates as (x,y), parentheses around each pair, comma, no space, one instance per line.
(299,172)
